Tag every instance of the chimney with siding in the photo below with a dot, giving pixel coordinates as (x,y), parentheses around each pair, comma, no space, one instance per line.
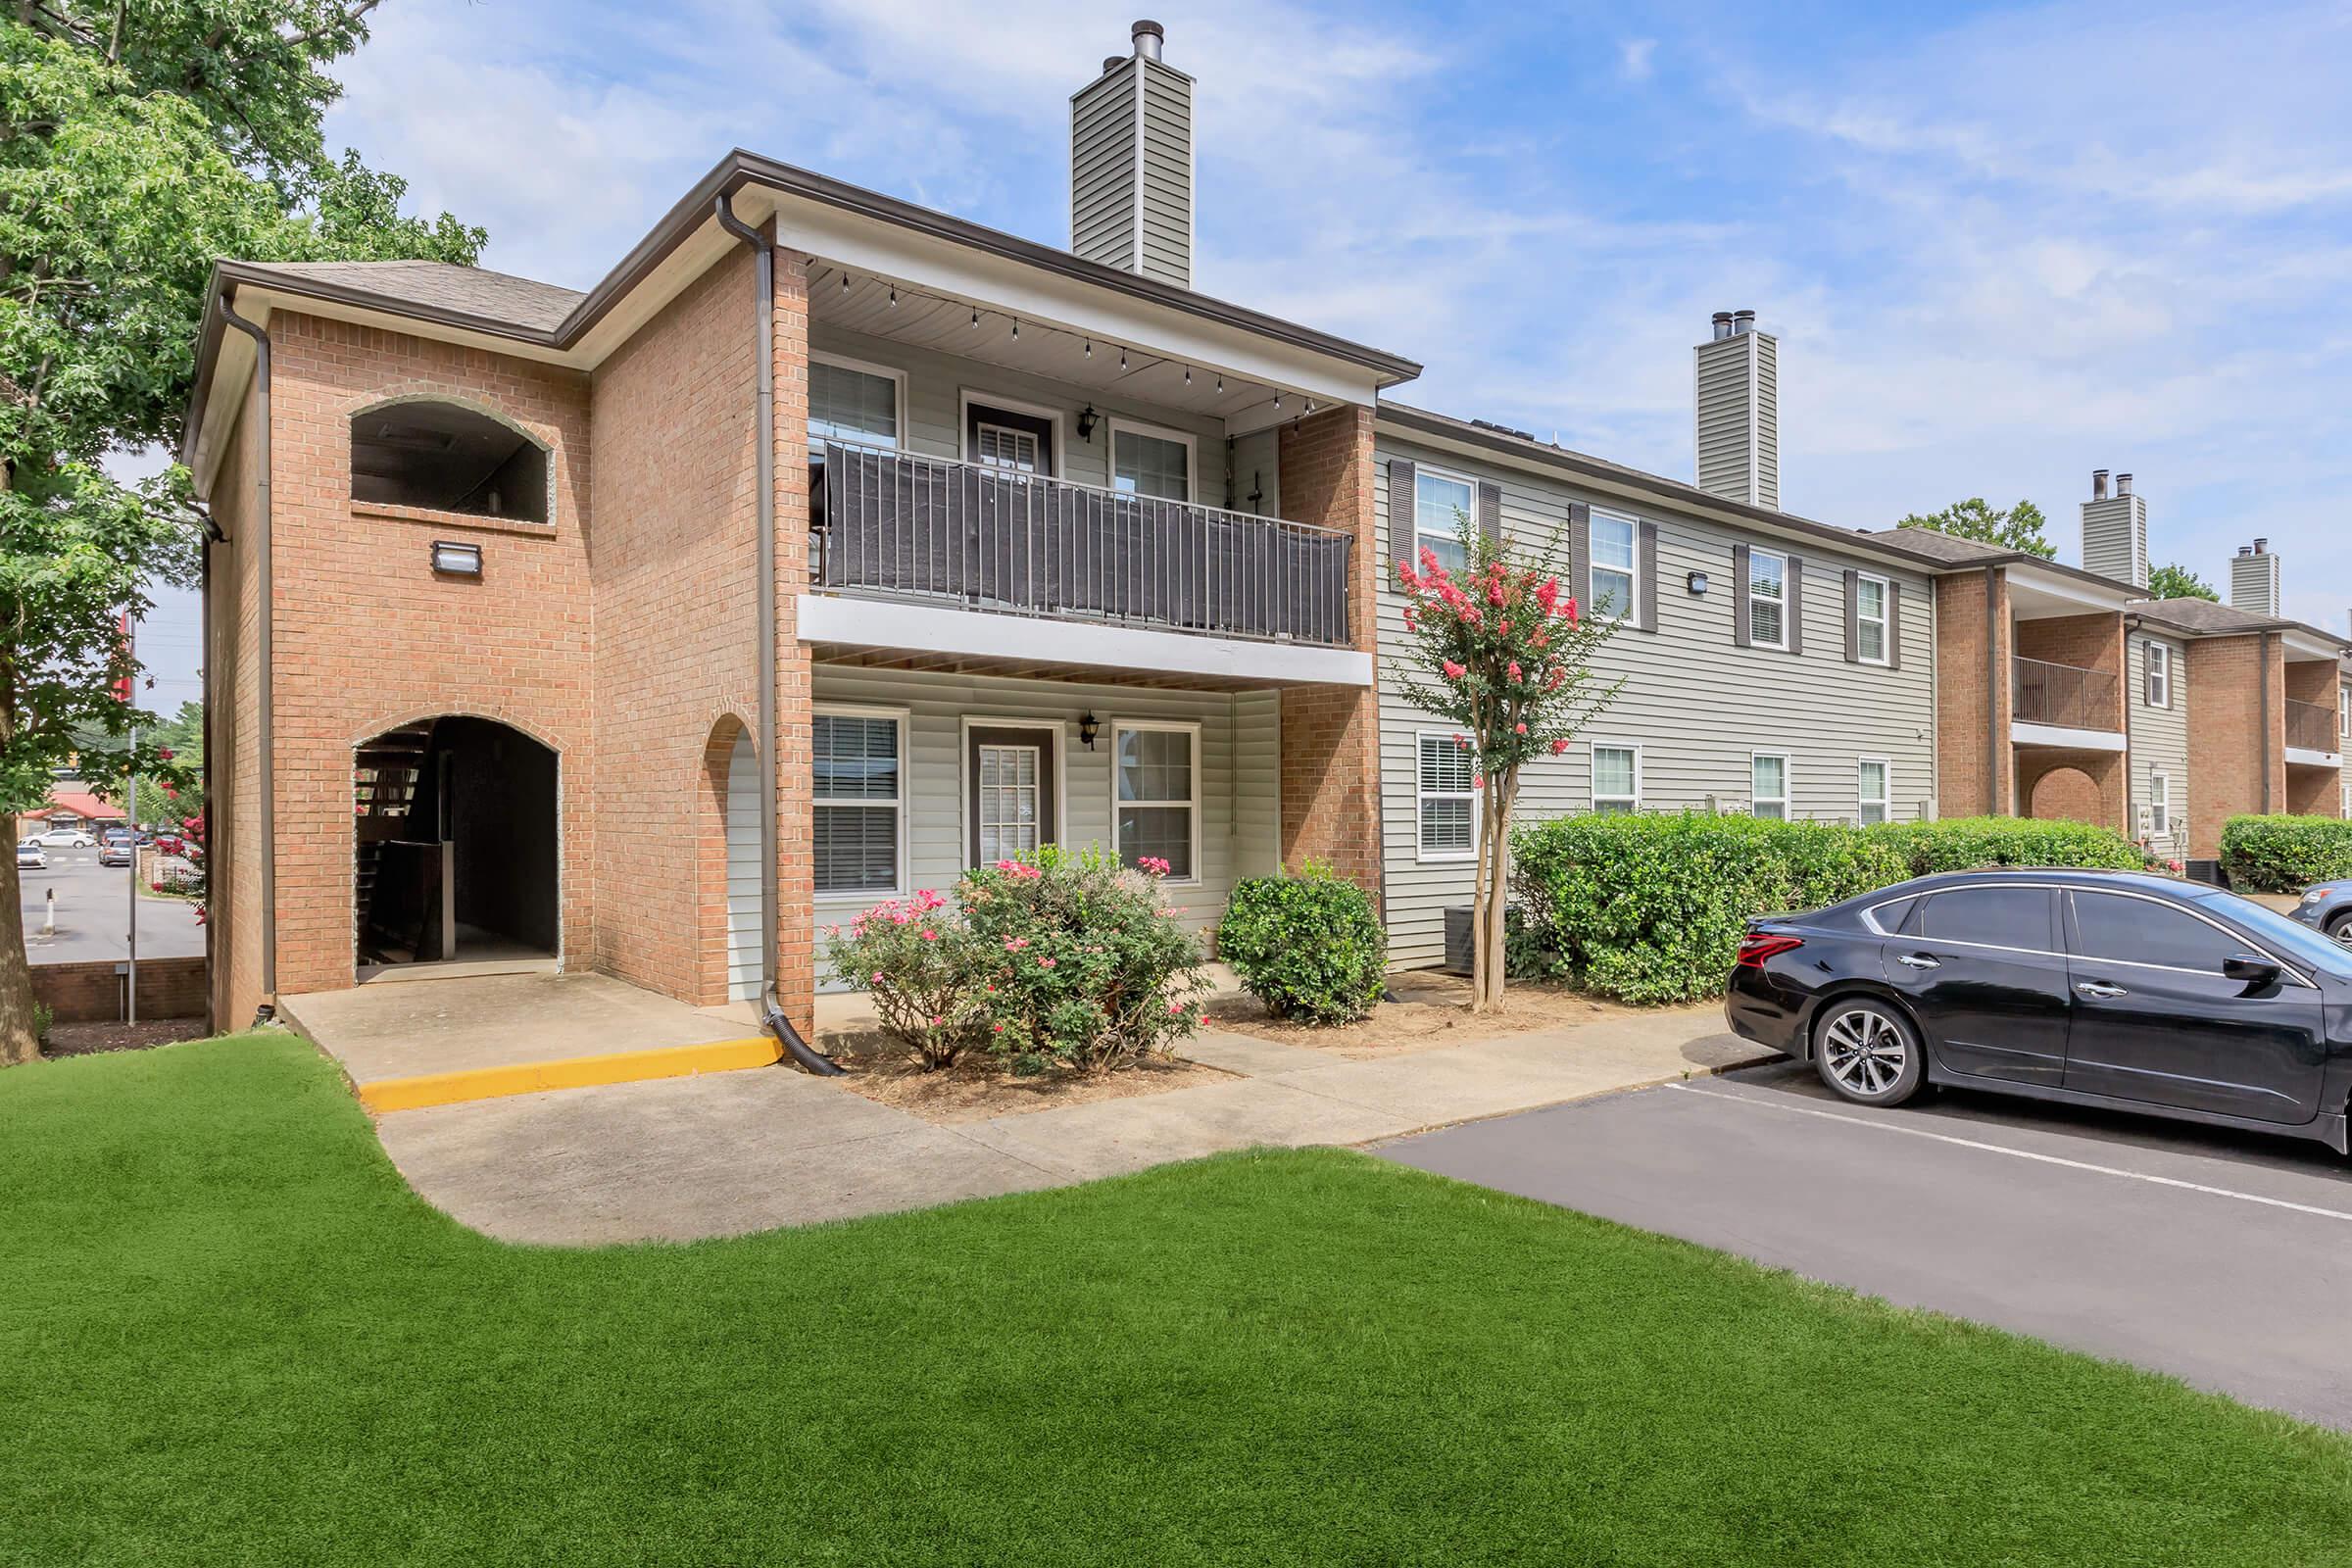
(2115,531)
(1131,163)
(1739,396)
(2254,579)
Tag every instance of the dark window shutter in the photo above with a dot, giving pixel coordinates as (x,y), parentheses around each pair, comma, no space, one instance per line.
(1401,513)
(1797,604)
(1854,617)
(1740,596)
(1895,624)
(1579,554)
(1489,510)
(1647,617)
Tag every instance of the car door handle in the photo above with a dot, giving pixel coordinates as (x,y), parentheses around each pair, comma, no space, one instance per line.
(2102,989)
(1920,960)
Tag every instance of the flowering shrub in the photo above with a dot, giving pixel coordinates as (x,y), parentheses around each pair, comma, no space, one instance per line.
(1310,947)
(1082,960)
(916,958)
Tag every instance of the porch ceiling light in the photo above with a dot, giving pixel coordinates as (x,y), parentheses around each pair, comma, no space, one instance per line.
(454,560)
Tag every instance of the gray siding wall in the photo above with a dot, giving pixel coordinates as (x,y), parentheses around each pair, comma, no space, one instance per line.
(2115,538)
(1238,776)
(1131,170)
(2159,739)
(1102,168)
(1738,432)
(1167,175)
(935,383)
(1696,705)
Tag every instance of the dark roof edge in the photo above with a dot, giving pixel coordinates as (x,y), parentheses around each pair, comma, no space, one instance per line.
(2144,610)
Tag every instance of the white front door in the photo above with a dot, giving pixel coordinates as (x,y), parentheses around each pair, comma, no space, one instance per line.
(1011,801)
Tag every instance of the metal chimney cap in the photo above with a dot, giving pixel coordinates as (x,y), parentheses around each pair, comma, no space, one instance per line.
(2098,485)
(2245,550)
(1148,37)
(2262,547)
(1111,62)
(2123,484)
(1744,322)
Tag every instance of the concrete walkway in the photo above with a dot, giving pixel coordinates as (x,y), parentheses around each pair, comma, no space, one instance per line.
(682,1158)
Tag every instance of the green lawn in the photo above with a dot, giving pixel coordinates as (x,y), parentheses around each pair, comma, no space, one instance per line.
(230,1334)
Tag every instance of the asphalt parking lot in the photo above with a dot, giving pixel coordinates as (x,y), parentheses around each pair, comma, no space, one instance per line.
(2223,1259)
(93,913)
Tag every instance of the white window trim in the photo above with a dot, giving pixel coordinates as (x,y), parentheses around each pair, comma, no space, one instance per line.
(1884,622)
(1445,737)
(1886,802)
(1431,471)
(1122,425)
(966,396)
(1114,726)
(1057,780)
(1788,783)
(1633,571)
(2344,711)
(865,898)
(2160,803)
(898,378)
(1755,554)
(1593,796)
(2160,669)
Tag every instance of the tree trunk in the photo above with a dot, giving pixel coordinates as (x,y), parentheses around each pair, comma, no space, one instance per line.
(1489,897)
(18,1040)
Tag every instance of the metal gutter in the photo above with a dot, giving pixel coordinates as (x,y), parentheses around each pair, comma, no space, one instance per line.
(1997,744)
(763,269)
(265,821)
(2262,682)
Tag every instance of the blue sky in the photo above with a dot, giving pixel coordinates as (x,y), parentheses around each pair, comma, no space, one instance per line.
(2002,246)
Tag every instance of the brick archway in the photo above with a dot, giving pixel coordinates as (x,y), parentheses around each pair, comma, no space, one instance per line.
(2066,794)
(715,936)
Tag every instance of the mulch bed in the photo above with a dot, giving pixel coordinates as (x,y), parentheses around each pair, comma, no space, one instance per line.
(980,1087)
(1431,1010)
(90,1039)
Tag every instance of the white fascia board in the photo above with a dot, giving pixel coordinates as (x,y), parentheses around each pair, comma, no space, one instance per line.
(2073,740)
(930,629)
(2074,590)
(2300,758)
(232,380)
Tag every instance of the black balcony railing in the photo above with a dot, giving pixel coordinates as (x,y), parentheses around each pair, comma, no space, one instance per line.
(2311,726)
(2063,695)
(962,534)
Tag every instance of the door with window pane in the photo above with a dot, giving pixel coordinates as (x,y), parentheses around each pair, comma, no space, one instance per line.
(1009,791)
(1156,799)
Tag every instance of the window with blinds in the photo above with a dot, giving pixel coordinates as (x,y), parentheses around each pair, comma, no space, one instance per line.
(859,785)
(1448,810)
(1159,790)
(848,403)
(1152,466)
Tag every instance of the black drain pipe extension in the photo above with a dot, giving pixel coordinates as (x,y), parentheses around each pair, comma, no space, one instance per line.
(763,269)
(266,819)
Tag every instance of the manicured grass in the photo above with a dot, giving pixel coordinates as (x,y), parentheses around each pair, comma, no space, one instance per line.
(231,1335)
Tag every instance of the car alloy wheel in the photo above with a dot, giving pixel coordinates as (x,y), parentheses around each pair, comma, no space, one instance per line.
(1867,1055)
(2341,930)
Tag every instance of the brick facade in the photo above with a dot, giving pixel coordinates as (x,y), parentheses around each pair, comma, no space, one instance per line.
(1971,720)
(2233,765)
(1330,734)
(92,992)
(2081,786)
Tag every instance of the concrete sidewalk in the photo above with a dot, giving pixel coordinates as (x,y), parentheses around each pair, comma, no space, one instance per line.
(678,1159)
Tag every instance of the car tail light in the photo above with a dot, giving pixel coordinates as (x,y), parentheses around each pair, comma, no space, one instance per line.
(1757,946)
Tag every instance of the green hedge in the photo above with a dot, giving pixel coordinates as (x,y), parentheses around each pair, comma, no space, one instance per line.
(2285,854)
(1310,947)
(1650,907)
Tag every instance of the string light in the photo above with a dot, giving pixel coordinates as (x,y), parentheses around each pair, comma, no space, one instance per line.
(975,316)
(1188,375)
(1122,358)
(894,296)
(1090,348)
(845,283)
(1016,330)
(1220,385)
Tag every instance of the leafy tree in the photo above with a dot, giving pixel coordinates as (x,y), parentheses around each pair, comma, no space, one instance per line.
(2175,581)
(2018,528)
(139,140)
(1500,650)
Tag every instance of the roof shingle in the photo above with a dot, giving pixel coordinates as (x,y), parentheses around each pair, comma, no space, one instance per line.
(497,297)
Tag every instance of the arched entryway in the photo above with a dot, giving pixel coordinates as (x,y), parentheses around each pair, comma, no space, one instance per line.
(743,869)
(2066,794)
(456,841)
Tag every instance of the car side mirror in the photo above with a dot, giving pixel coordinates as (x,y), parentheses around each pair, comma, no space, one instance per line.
(2250,969)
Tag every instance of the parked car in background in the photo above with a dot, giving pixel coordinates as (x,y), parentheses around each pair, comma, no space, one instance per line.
(2327,906)
(2111,989)
(30,856)
(65,838)
(115,851)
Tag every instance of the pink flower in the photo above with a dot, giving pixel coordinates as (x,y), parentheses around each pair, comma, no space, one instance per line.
(1515,669)
(1175,1008)
(1015,944)
(1477,781)
(1409,623)
(1152,866)
(1504,628)
(996,1028)
(1453,671)
(1521,728)
(1461,740)
(1559,746)
(877,977)
(1045,963)
(937,1019)
(933,936)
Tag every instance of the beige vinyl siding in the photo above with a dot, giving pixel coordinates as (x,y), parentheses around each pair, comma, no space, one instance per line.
(1726,407)
(1168,174)
(2158,738)
(1238,770)
(1102,168)
(1696,706)
(936,383)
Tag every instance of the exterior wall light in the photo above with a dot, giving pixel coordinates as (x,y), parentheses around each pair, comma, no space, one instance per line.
(1697,582)
(1087,420)
(456,560)
(1089,727)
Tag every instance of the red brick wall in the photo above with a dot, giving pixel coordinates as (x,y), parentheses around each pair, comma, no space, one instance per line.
(1330,734)
(2075,786)
(2085,642)
(232,627)
(796,824)
(1962,719)
(2228,753)
(92,993)
(368,637)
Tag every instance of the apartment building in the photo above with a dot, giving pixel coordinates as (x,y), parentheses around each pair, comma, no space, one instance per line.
(831,544)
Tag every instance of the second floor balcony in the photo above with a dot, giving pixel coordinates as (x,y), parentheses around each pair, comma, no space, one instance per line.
(2311,728)
(2063,697)
(890,524)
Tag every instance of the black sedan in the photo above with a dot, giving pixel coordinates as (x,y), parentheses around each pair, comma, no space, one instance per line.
(2094,988)
(2327,906)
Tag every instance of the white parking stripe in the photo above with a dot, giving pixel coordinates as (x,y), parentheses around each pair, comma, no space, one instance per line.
(2016,1153)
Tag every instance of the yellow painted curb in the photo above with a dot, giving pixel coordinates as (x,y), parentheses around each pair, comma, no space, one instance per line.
(571,1072)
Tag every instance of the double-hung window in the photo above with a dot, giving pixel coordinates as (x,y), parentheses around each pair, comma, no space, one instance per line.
(2160,803)
(1439,504)
(853,403)
(1767,598)
(1157,795)
(1616,778)
(859,783)
(1768,785)
(1150,463)
(1448,801)
(1616,565)
(1872,781)
(1870,619)
(2160,675)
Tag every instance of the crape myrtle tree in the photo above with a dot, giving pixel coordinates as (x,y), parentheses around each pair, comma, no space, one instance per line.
(139,141)
(1499,649)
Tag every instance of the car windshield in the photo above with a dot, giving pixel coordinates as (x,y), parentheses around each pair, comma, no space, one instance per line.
(2287,938)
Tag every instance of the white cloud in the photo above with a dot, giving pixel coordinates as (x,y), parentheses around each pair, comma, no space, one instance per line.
(1636,58)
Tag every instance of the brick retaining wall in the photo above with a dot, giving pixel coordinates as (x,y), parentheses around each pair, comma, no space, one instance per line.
(92,993)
